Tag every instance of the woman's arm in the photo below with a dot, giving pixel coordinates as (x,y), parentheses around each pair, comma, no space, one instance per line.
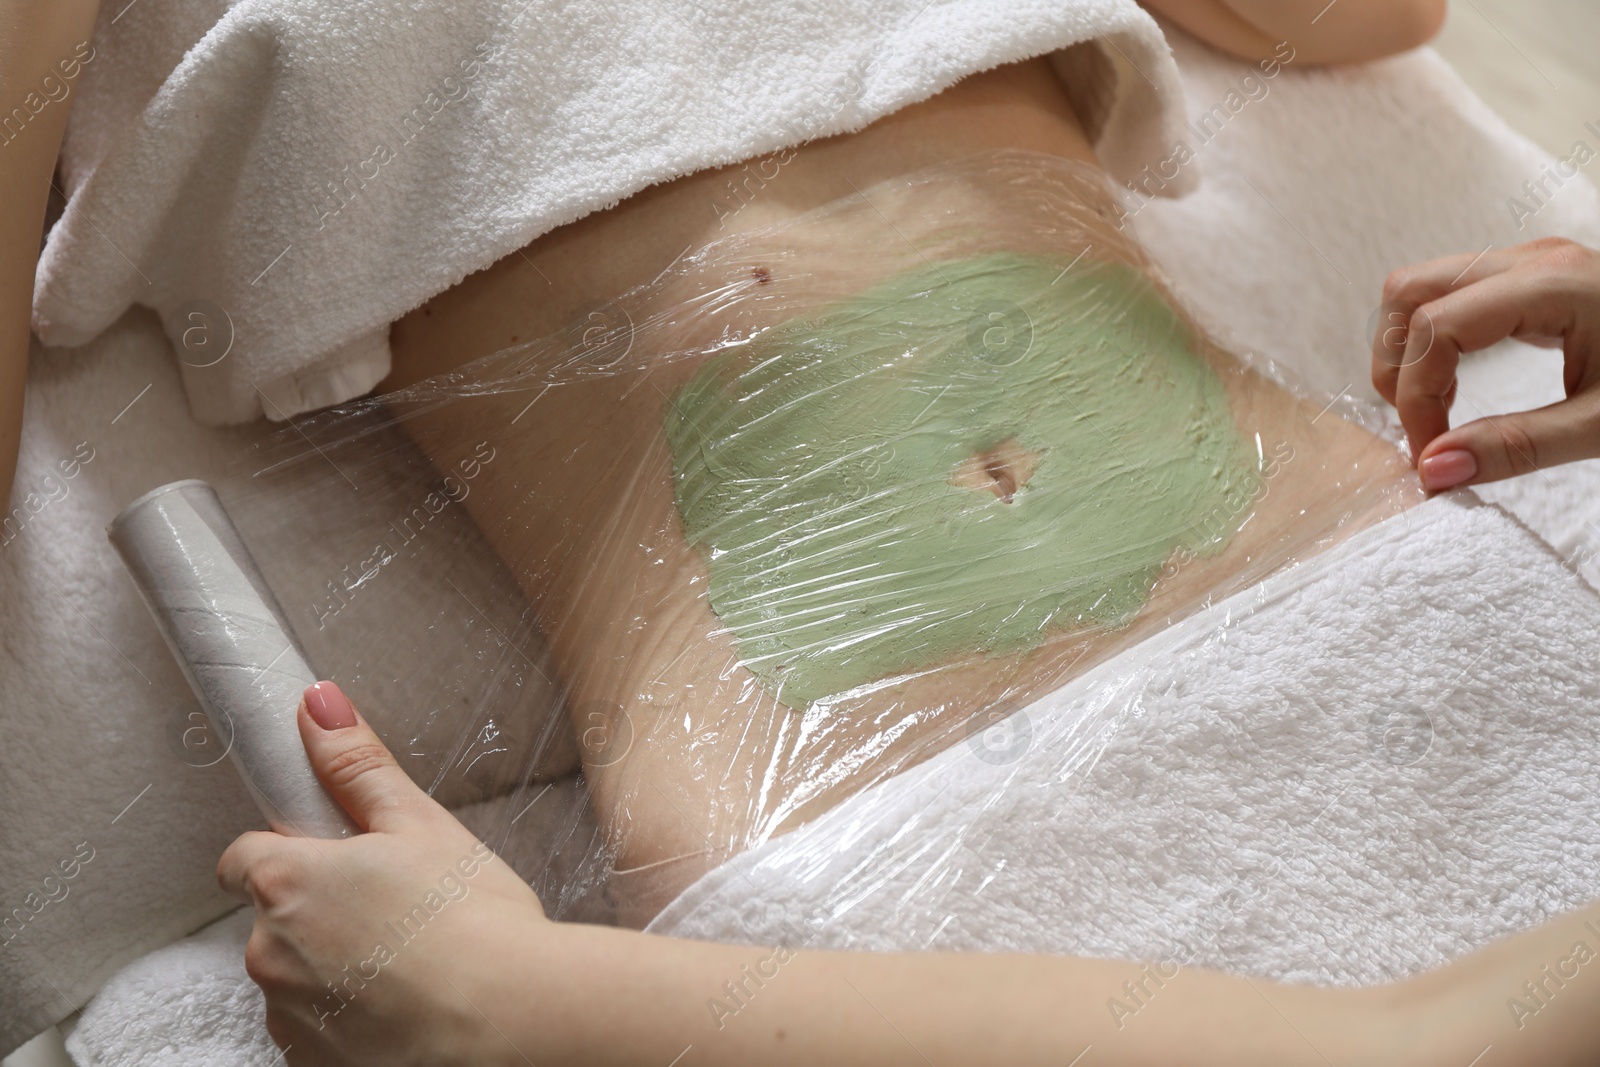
(618,997)
(412,944)
(36,36)
(1322,32)
(914,1009)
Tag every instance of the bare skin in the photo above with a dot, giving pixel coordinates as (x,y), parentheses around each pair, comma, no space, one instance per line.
(583,508)
(34,38)
(1322,33)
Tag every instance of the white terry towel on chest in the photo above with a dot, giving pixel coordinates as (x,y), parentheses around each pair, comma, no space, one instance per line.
(312,171)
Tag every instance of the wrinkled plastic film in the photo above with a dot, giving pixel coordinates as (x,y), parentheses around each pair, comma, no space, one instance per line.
(233,645)
(815,504)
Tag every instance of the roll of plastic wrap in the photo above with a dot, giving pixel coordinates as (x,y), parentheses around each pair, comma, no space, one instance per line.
(233,643)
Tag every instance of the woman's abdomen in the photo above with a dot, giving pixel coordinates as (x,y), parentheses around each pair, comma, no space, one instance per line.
(831,495)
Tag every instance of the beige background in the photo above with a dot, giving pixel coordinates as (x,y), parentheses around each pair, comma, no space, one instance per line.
(1536,62)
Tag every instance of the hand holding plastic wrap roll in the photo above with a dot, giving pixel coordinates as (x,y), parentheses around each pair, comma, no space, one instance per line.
(229,636)
(790,521)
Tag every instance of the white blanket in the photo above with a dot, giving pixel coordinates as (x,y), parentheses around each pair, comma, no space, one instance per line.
(311,171)
(1403,143)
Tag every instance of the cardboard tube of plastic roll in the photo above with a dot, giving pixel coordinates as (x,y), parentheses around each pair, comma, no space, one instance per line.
(231,639)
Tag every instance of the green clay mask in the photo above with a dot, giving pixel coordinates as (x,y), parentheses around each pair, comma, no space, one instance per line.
(965,459)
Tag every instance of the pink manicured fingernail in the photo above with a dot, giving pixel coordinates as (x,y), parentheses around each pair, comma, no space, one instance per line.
(1450,467)
(329,708)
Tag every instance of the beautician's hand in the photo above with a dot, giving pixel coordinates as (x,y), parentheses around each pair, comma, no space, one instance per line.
(1545,292)
(450,916)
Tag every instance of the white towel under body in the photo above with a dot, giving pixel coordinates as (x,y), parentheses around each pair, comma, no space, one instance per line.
(301,174)
(1363,767)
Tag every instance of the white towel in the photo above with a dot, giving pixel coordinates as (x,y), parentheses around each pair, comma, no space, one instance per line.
(312,171)
(192,989)
(1403,141)
(1366,766)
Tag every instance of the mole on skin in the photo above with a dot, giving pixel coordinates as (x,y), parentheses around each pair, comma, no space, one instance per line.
(965,459)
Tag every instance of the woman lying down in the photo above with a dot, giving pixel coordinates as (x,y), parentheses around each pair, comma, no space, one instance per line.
(908,440)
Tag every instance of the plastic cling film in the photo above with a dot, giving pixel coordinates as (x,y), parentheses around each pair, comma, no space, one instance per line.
(820,501)
(233,644)
(962,487)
